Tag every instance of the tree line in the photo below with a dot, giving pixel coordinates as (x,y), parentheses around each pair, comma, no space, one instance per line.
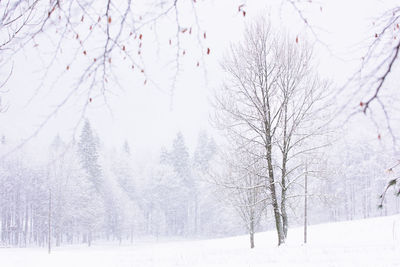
(85,192)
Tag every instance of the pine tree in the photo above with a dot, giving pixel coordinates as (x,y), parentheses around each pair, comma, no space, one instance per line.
(88,151)
(204,152)
(179,158)
(96,198)
(181,184)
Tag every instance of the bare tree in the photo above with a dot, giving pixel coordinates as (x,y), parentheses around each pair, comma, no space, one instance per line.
(270,99)
(244,187)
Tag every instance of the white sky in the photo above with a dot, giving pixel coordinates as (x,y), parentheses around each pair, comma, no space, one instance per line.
(143,115)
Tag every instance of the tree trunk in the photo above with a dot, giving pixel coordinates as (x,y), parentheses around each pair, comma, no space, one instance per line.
(58,239)
(305,206)
(252,233)
(49,222)
(275,205)
(26,225)
(196,215)
(285,223)
(284,173)
(131,234)
(283,199)
(89,239)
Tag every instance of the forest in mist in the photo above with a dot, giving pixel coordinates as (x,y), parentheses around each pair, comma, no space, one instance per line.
(86,192)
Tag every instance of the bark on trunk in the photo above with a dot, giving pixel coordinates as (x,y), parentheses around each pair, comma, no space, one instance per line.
(283,199)
(285,223)
(305,206)
(286,140)
(252,234)
(275,205)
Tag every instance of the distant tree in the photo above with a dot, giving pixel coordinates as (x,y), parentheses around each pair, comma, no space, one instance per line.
(163,197)
(89,157)
(93,180)
(203,156)
(204,151)
(243,183)
(57,184)
(122,168)
(178,158)
(125,191)
(127,148)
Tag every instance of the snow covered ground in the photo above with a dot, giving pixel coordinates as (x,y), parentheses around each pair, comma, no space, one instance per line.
(372,242)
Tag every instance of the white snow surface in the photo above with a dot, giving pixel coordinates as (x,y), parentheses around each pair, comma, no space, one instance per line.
(370,242)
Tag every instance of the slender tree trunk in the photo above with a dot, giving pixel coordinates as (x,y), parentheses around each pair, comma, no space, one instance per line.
(252,233)
(26,224)
(285,223)
(196,215)
(131,234)
(305,206)
(31,237)
(284,166)
(49,230)
(58,239)
(89,239)
(3,228)
(17,220)
(9,237)
(283,198)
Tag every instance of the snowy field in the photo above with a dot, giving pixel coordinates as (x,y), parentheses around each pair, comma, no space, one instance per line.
(372,242)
